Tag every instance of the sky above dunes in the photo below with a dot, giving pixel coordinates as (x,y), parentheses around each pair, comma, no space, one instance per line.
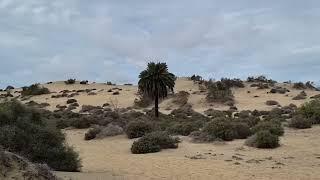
(112,40)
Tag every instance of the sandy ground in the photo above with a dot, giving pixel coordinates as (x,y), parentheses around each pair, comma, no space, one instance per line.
(110,158)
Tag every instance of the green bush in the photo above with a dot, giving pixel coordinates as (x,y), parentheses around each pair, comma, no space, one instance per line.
(263,139)
(34,89)
(23,131)
(154,142)
(300,122)
(271,103)
(137,129)
(311,110)
(271,126)
(221,128)
(92,133)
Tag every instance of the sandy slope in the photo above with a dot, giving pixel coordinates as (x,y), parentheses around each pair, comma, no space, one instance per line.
(297,158)
(244,100)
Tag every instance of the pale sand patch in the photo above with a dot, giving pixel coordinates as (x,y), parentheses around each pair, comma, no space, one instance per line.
(110,158)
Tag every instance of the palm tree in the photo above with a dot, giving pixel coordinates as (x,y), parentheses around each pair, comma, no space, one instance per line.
(155,82)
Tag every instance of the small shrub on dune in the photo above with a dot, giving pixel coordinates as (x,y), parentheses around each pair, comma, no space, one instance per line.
(300,96)
(34,89)
(215,113)
(271,126)
(70,81)
(143,101)
(237,83)
(9,88)
(218,92)
(300,122)
(110,130)
(181,98)
(202,137)
(241,130)
(250,121)
(82,123)
(70,101)
(92,133)
(137,129)
(271,103)
(299,85)
(154,142)
(263,139)
(84,82)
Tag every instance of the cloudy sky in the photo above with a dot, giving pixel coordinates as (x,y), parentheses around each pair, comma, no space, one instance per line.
(111,40)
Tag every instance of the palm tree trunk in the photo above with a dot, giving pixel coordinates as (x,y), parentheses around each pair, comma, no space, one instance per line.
(156,106)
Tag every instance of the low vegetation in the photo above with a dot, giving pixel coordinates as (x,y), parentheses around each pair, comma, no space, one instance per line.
(181,98)
(154,142)
(70,81)
(34,89)
(218,92)
(23,131)
(263,139)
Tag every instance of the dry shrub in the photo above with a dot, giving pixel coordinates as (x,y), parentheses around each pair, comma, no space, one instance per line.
(300,96)
(263,139)
(219,92)
(70,81)
(181,98)
(110,130)
(137,129)
(300,122)
(271,103)
(34,89)
(271,126)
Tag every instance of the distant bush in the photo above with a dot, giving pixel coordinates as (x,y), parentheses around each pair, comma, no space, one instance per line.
(137,129)
(23,131)
(279,90)
(300,122)
(262,79)
(181,98)
(154,142)
(299,85)
(300,96)
(109,83)
(271,126)
(263,139)
(238,83)
(70,81)
(84,82)
(34,89)
(70,101)
(196,78)
(311,110)
(9,88)
(219,92)
(271,103)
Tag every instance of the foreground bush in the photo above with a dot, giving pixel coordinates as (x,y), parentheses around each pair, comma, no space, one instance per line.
(220,128)
(154,142)
(263,139)
(137,129)
(23,131)
(272,127)
(34,89)
(300,122)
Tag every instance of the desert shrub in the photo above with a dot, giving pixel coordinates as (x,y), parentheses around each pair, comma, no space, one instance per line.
(202,137)
(271,103)
(279,90)
(301,95)
(300,122)
(250,121)
(92,133)
(137,129)
(23,131)
(219,92)
(84,82)
(263,139)
(109,83)
(82,123)
(110,130)
(299,85)
(215,113)
(311,110)
(70,101)
(261,86)
(70,81)
(262,79)
(238,83)
(241,130)
(271,126)
(154,142)
(181,98)
(221,128)
(184,129)
(196,78)
(116,93)
(9,88)
(34,89)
